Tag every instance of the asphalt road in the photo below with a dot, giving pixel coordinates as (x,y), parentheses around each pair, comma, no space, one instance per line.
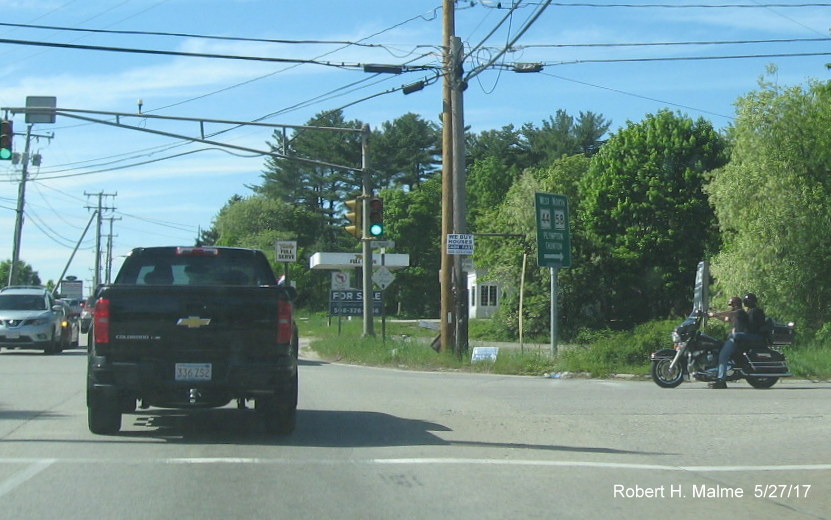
(380,444)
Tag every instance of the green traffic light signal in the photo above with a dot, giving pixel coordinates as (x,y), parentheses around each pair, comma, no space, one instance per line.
(6,135)
(376,216)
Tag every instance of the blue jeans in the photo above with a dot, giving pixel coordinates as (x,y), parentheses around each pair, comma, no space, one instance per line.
(728,349)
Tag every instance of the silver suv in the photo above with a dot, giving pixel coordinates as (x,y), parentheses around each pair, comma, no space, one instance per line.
(30,318)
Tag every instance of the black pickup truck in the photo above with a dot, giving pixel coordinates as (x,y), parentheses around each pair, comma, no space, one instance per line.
(193,327)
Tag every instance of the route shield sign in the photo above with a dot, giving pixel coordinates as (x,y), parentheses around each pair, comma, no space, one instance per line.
(553,235)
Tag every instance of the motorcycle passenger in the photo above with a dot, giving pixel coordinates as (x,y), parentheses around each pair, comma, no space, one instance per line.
(756,316)
(737,316)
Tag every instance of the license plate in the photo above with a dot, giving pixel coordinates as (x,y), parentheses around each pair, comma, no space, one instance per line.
(12,335)
(193,371)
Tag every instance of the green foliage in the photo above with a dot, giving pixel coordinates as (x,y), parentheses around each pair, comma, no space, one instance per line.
(646,216)
(619,352)
(405,152)
(26,275)
(811,361)
(503,257)
(257,222)
(772,203)
(413,220)
(562,135)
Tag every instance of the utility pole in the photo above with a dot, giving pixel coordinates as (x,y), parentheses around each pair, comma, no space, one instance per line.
(21,201)
(459,194)
(447,329)
(366,239)
(96,277)
(108,269)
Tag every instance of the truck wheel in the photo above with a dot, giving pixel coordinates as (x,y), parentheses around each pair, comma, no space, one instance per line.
(103,413)
(279,418)
(279,412)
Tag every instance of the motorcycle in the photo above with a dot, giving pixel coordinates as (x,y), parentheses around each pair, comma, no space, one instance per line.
(695,354)
(759,361)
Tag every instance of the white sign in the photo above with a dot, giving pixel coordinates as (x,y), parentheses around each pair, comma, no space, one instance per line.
(340,281)
(285,251)
(484,354)
(347,260)
(46,104)
(382,277)
(459,244)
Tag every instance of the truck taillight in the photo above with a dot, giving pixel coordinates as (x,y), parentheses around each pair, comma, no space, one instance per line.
(284,322)
(102,321)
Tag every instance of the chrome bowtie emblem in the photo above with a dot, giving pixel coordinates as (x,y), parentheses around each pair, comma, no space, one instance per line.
(193,322)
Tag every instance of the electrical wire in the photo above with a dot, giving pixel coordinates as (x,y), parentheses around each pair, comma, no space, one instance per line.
(73,46)
(639,96)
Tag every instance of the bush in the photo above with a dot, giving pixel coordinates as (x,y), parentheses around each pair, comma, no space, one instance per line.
(612,352)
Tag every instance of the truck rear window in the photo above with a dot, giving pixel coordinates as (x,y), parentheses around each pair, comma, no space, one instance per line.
(165,267)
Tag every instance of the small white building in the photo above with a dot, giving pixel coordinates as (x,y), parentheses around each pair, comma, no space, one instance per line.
(485,296)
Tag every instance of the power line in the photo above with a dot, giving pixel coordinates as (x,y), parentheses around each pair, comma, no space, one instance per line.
(688,58)
(74,46)
(631,94)
(667,44)
(667,6)
(193,35)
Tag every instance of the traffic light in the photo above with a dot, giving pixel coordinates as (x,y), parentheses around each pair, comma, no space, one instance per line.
(376,216)
(6,134)
(354,216)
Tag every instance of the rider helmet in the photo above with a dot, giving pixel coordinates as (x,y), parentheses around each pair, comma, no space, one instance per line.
(749,300)
(735,302)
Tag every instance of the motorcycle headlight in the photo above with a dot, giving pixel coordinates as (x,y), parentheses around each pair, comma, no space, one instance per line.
(676,338)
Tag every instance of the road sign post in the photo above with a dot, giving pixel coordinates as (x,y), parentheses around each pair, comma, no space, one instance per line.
(553,245)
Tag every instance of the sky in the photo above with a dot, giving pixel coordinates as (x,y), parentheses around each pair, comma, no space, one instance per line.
(620,59)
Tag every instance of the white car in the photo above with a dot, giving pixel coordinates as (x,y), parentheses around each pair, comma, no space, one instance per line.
(30,318)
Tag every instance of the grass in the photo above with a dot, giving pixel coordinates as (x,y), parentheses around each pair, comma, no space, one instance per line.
(597,354)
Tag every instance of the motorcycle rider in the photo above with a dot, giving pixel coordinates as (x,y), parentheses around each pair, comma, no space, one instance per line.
(737,316)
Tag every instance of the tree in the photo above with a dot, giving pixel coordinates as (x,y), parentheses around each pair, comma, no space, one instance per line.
(318,188)
(257,222)
(560,135)
(405,152)
(413,220)
(646,214)
(503,257)
(26,275)
(772,202)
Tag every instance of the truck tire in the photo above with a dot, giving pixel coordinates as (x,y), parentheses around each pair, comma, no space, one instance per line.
(279,412)
(103,413)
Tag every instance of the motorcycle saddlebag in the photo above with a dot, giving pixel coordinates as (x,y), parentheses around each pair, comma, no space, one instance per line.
(766,361)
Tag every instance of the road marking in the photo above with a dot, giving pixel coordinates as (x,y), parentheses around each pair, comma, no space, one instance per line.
(38,465)
(25,474)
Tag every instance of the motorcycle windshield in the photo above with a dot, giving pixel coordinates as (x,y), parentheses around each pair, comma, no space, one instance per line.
(701,294)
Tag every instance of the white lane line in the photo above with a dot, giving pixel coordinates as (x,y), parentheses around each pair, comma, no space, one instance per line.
(37,465)
(25,474)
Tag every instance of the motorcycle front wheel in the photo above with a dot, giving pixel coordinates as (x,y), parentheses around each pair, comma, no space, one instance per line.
(762,382)
(666,376)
